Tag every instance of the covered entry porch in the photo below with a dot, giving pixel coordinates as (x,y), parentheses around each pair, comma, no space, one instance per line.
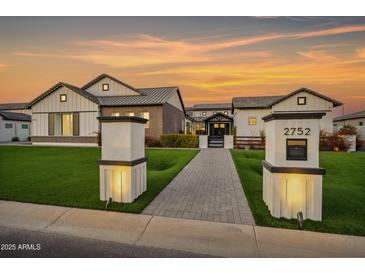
(217,126)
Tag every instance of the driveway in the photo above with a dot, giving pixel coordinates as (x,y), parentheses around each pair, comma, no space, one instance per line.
(207,189)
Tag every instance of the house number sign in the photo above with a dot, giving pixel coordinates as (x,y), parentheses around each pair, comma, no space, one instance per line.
(297,131)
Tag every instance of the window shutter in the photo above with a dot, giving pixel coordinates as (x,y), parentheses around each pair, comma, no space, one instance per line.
(76,124)
(50,124)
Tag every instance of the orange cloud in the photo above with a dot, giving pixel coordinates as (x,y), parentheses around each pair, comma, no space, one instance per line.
(361,53)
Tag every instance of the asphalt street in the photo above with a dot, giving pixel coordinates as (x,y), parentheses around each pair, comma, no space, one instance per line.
(20,243)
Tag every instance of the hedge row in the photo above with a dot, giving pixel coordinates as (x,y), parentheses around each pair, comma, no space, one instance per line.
(179,140)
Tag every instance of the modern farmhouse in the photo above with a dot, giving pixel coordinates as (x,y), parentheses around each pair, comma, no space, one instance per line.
(245,114)
(66,114)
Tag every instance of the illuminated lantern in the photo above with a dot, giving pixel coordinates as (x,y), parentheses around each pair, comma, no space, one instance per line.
(123,163)
(292,178)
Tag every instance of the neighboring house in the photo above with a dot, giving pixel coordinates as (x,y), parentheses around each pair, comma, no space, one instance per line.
(15,107)
(211,117)
(248,111)
(66,114)
(356,119)
(13,125)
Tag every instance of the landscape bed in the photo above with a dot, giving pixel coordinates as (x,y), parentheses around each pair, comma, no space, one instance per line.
(69,176)
(343,192)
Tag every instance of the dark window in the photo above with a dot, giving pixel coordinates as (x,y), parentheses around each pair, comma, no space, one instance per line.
(296,149)
(24,126)
(302,100)
(105,87)
(8,125)
(361,123)
(63,97)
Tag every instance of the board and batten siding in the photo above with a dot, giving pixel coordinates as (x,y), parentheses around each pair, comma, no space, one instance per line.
(241,117)
(314,103)
(88,111)
(174,100)
(115,89)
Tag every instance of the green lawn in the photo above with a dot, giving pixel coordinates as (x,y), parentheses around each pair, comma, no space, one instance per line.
(70,176)
(343,192)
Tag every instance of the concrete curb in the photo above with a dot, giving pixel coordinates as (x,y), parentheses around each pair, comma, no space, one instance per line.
(210,238)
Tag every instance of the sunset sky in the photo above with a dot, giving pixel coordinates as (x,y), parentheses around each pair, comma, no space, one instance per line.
(211,59)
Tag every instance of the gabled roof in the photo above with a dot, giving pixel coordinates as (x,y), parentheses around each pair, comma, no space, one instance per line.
(104,75)
(71,87)
(13,106)
(355,115)
(255,102)
(148,97)
(269,101)
(14,116)
(333,101)
(219,106)
(218,114)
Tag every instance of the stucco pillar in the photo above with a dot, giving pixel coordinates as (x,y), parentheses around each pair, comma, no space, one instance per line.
(292,178)
(122,166)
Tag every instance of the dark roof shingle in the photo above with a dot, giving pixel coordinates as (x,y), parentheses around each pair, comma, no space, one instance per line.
(355,115)
(218,106)
(150,96)
(12,106)
(255,102)
(15,116)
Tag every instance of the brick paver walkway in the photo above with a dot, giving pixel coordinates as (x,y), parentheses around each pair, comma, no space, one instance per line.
(208,188)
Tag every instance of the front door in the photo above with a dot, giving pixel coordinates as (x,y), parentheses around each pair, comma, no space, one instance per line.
(218,129)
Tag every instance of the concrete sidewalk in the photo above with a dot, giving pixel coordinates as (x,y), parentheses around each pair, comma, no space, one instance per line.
(211,238)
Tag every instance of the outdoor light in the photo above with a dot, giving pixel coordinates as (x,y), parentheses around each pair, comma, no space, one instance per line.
(123,165)
(300,219)
(108,202)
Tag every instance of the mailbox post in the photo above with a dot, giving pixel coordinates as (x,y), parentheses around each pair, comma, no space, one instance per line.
(123,162)
(292,178)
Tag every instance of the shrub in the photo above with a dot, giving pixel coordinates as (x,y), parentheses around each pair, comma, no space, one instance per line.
(15,139)
(347,130)
(152,142)
(179,140)
(333,142)
(351,130)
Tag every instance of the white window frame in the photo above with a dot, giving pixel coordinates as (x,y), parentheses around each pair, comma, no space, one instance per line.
(252,119)
(146,125)
(105,87)
(63,98)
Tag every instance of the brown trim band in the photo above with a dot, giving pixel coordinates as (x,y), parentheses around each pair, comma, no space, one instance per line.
(64,139)
(113,119)
(297,170)
(122,163)
(293,116)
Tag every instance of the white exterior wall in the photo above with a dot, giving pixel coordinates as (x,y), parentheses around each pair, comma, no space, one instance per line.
(241,121)
(276,146)
(7,134)
(89,125)
(287,194)
(314,103)
(174,100)
(353,122)
(115,89)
